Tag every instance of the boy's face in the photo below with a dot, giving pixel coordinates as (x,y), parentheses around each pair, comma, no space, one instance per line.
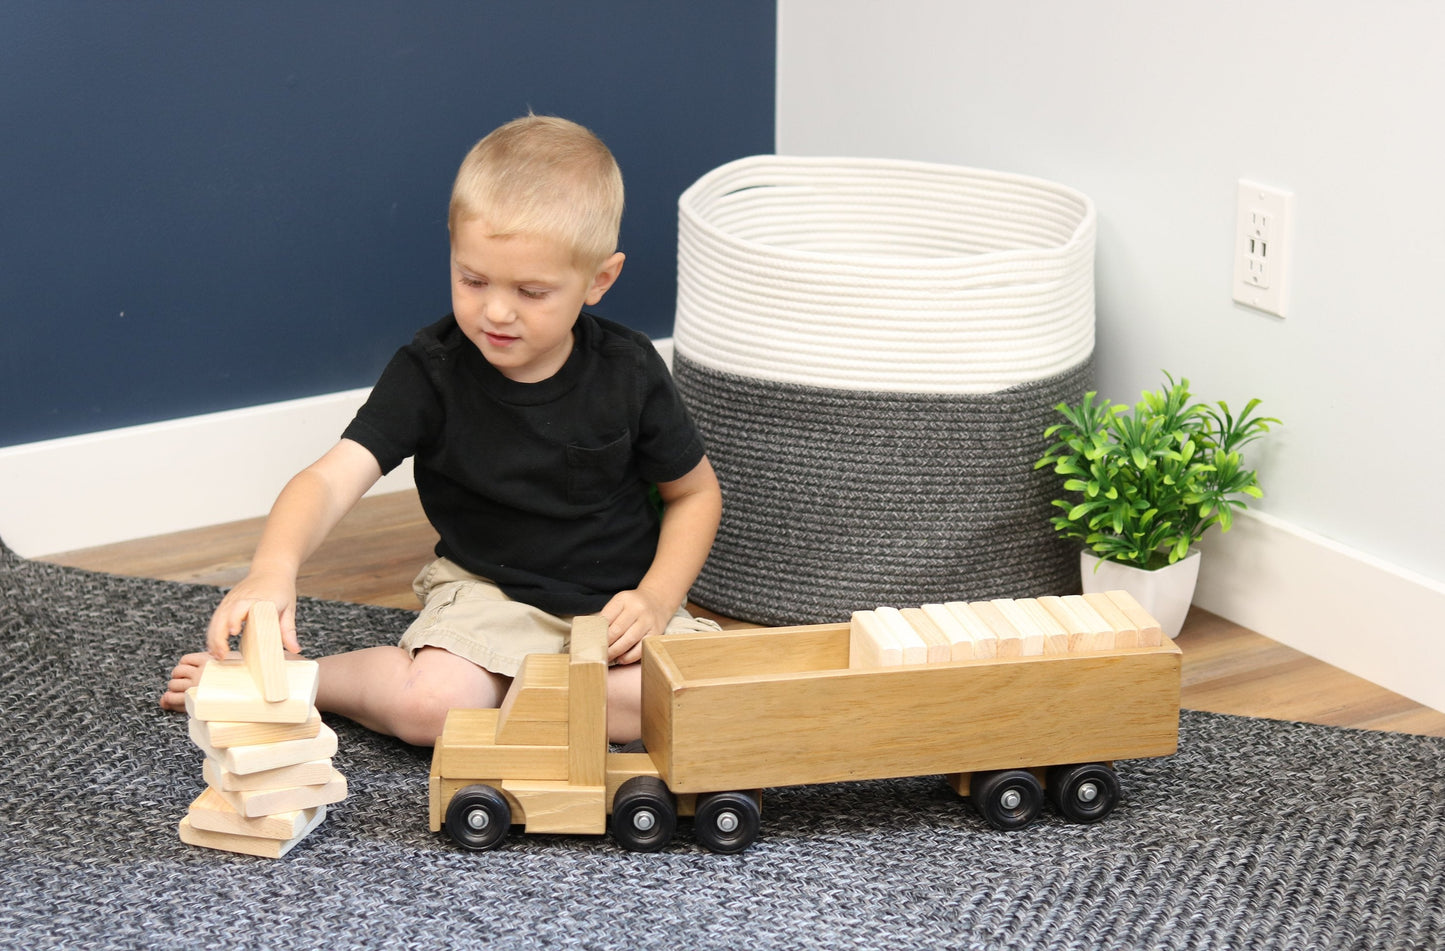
(517,298)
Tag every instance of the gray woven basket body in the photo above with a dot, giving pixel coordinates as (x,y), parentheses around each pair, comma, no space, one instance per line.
(839,500)
(873,349)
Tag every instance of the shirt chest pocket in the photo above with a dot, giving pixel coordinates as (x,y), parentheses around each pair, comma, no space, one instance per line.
(595,475)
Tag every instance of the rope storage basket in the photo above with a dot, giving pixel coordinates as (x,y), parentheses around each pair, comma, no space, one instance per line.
(872,349)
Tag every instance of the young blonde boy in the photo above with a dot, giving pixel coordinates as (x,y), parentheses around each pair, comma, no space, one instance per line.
(536,430)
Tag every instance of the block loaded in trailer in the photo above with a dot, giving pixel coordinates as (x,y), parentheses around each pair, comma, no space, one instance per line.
(728,714)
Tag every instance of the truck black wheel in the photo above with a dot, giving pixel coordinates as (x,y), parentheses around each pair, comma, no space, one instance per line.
(726,821)
(1008,798)
(1083,792)
(478,817)
(644,814)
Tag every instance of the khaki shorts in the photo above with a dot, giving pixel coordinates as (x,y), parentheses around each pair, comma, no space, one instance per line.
(472,618)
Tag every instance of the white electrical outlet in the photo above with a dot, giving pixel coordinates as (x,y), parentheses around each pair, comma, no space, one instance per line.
(1262,248)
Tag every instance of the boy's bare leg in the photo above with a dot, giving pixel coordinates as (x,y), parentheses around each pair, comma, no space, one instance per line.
(387,690)
(624,703)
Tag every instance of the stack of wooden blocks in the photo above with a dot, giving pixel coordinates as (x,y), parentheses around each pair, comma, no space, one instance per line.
(1001,628)
(268,755)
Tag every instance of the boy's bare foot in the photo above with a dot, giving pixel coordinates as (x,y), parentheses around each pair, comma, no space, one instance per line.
(186,675)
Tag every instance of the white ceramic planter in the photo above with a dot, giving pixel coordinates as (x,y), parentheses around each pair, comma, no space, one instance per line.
(1164,592)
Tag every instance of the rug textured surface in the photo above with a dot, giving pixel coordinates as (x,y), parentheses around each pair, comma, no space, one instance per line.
(1257,834)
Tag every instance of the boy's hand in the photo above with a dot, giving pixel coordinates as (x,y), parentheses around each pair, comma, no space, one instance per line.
(631,616)
(230,616)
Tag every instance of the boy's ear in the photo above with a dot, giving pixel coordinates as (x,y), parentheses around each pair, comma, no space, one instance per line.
(606,277)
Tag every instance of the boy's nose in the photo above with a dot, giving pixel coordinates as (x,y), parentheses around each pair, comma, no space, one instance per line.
(497,310)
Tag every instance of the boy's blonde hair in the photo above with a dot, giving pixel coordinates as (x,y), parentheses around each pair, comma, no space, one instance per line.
(542,175)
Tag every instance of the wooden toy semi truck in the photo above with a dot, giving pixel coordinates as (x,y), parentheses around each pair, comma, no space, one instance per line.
(1012,701)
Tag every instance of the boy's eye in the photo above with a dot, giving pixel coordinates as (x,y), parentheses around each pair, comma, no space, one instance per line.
(473,281)
(532,293)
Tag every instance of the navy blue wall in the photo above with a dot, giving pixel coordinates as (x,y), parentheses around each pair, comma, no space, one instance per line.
(212,205)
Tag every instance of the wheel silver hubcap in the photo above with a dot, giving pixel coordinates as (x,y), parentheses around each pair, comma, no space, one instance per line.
(478,820)
(1088,792)
(1011,799)
(644,820)
(727,822)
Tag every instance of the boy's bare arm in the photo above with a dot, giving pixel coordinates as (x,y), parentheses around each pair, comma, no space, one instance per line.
(305,512)
(689,523)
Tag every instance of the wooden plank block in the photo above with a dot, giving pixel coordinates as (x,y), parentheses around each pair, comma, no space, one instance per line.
(1151,634)
(261,649)
(1033,636)
(560,806)
(915,650)
(940,648)
(265,802)
(309,773)
(1087,629)
(1056,636)
(221,734)
(211,812)
(586,704)
(227,692)
(872,643)
(540,690)
(254,759)
(245,844)
(961,645)
(1010,639)
(985,638)
(1126,634)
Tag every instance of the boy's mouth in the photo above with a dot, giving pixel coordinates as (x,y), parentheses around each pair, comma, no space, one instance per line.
(499,340)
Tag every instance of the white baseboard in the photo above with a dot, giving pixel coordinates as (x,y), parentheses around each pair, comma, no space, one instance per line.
(129,483)
(1375,620)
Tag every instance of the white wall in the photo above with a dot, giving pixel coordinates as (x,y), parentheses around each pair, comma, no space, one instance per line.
(1156,110)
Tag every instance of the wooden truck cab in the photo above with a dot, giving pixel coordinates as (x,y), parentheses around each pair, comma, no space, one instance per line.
(728,714)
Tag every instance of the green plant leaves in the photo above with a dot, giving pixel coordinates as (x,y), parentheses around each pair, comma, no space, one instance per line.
(1147,481)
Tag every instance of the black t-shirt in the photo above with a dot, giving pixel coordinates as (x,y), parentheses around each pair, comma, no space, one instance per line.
(541,487)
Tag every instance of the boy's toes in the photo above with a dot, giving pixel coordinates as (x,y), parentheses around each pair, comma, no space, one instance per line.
(186,675)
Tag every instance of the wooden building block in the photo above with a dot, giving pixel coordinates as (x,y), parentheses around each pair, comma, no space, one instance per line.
(226,691)
(1087,629)
(586,704)
(265,802)
(1033,636)
(261,649)
(540,690)
(940,648)
(1126,634)
(1010,639)
(254,759)
(309,773)
(915,650)
(1056,636)
(1151,634)
(221,734)
(961,645)
(245,844)
(871,642)
(985,639)
(560,806)
(212,813)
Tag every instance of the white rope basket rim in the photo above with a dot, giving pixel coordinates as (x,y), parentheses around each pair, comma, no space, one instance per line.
(883,274)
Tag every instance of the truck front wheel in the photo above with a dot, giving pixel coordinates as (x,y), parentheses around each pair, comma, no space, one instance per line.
(726,821)
(478,817)
(1084,792)
(1008,798)
(644,814)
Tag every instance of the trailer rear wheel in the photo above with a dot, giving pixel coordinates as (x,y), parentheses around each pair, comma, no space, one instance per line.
(726,821)
(1083,792)
(1007,798)
(644,814)
(478,817)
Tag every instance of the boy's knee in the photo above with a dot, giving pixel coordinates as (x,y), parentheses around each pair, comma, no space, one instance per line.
(420,717)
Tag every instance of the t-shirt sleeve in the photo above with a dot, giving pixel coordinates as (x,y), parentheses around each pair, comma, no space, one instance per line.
(402,414)
(669,444)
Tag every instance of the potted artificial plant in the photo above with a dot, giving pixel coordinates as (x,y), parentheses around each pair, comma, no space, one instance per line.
(1144,484)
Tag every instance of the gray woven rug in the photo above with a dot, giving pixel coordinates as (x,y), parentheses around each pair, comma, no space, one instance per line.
(1258,834)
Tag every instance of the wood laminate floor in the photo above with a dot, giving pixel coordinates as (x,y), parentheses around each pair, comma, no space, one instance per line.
(374,553)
